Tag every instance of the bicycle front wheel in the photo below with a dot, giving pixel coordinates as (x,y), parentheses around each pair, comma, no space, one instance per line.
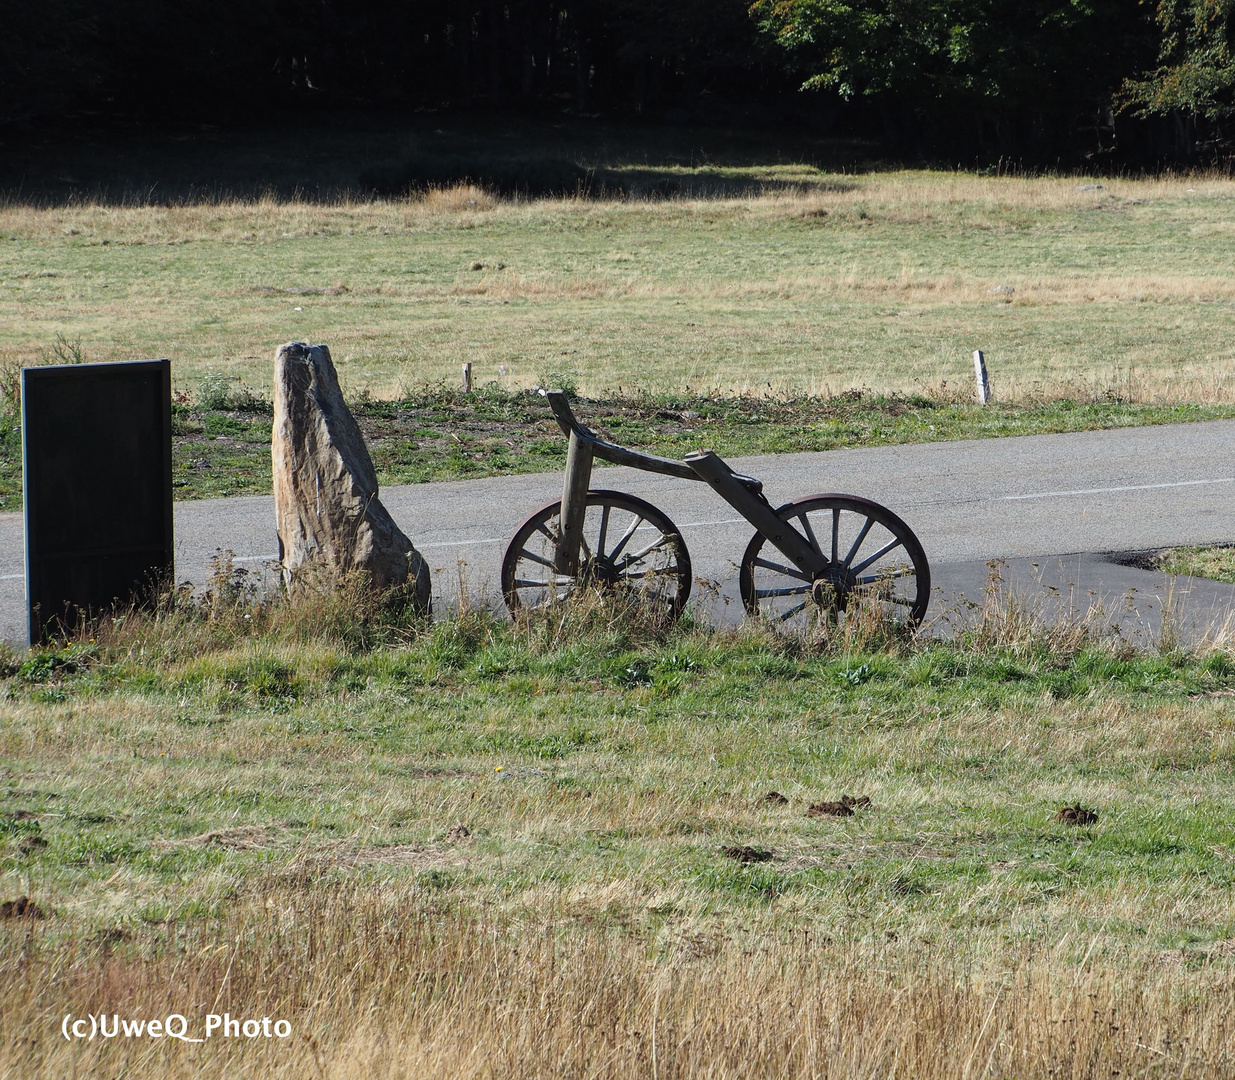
(871,556)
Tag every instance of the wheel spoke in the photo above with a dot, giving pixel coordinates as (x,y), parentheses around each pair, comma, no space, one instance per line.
(804,518)
(796,590)
(665,571)
(792,612)
(536,558)
(835,533)
(625,539)
(626,562)
(790,571)
(551,536)
(900,571)
(893,543)
(604,529)
(858,542)
(639,556)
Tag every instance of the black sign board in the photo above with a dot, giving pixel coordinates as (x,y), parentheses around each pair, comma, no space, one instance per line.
(97,462)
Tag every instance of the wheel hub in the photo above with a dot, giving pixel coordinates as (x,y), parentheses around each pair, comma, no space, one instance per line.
(832,586)
(600,572)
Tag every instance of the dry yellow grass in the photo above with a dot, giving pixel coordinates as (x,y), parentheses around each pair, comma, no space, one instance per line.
(374,981)
(885,280)
(910,196)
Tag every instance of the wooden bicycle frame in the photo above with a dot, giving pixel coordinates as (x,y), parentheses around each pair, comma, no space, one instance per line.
(743,493)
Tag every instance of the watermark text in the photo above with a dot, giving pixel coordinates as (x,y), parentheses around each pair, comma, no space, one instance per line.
(89,1026)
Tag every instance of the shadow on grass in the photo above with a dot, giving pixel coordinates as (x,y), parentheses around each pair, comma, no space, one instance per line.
(339,157)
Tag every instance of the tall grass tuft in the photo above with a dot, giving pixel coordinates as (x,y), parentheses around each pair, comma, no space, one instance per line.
(234,606)
(1008,620)
(610,621)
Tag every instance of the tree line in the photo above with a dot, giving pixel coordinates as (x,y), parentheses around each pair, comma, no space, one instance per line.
(1035,81)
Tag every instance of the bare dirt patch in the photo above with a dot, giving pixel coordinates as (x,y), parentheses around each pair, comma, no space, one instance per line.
(239,838)
(418,856)
(745,854)
(1076,815)
(21,908)
(843,807)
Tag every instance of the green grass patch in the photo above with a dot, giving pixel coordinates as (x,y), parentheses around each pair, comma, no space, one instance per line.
(1217,562)
(502,765)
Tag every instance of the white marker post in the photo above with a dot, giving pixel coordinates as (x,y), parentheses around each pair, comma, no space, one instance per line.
(979,373)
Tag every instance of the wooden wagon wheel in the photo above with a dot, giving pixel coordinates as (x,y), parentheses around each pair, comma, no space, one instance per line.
(872,556)
(628,547)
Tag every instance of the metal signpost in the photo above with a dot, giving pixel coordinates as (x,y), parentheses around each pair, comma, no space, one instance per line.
(97,475)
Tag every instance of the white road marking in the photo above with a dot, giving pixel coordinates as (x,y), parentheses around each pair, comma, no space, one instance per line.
(1128,487)
(462,543)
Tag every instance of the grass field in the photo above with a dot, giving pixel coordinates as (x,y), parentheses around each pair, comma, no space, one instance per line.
(585,846)
(824,282)
(580,845)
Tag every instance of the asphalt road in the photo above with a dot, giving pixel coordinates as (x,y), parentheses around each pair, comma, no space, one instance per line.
(1046,503)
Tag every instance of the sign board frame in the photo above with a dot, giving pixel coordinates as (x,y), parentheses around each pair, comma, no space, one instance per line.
(97,482)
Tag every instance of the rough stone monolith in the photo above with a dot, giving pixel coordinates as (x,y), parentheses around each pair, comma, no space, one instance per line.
(330,521)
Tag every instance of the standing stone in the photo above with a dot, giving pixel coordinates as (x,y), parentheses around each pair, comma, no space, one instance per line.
(329,518)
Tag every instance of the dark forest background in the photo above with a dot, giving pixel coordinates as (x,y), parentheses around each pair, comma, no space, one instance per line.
(1037,83)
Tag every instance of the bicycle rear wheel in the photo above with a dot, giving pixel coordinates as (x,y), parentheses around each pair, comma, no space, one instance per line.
(629,548)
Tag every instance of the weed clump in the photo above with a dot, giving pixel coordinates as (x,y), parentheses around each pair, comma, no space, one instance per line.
(1009,623)
(470,182)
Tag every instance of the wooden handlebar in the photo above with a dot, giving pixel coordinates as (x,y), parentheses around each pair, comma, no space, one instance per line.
(618,455)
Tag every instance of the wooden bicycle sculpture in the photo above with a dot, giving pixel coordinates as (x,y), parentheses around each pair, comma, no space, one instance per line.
(811,558)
